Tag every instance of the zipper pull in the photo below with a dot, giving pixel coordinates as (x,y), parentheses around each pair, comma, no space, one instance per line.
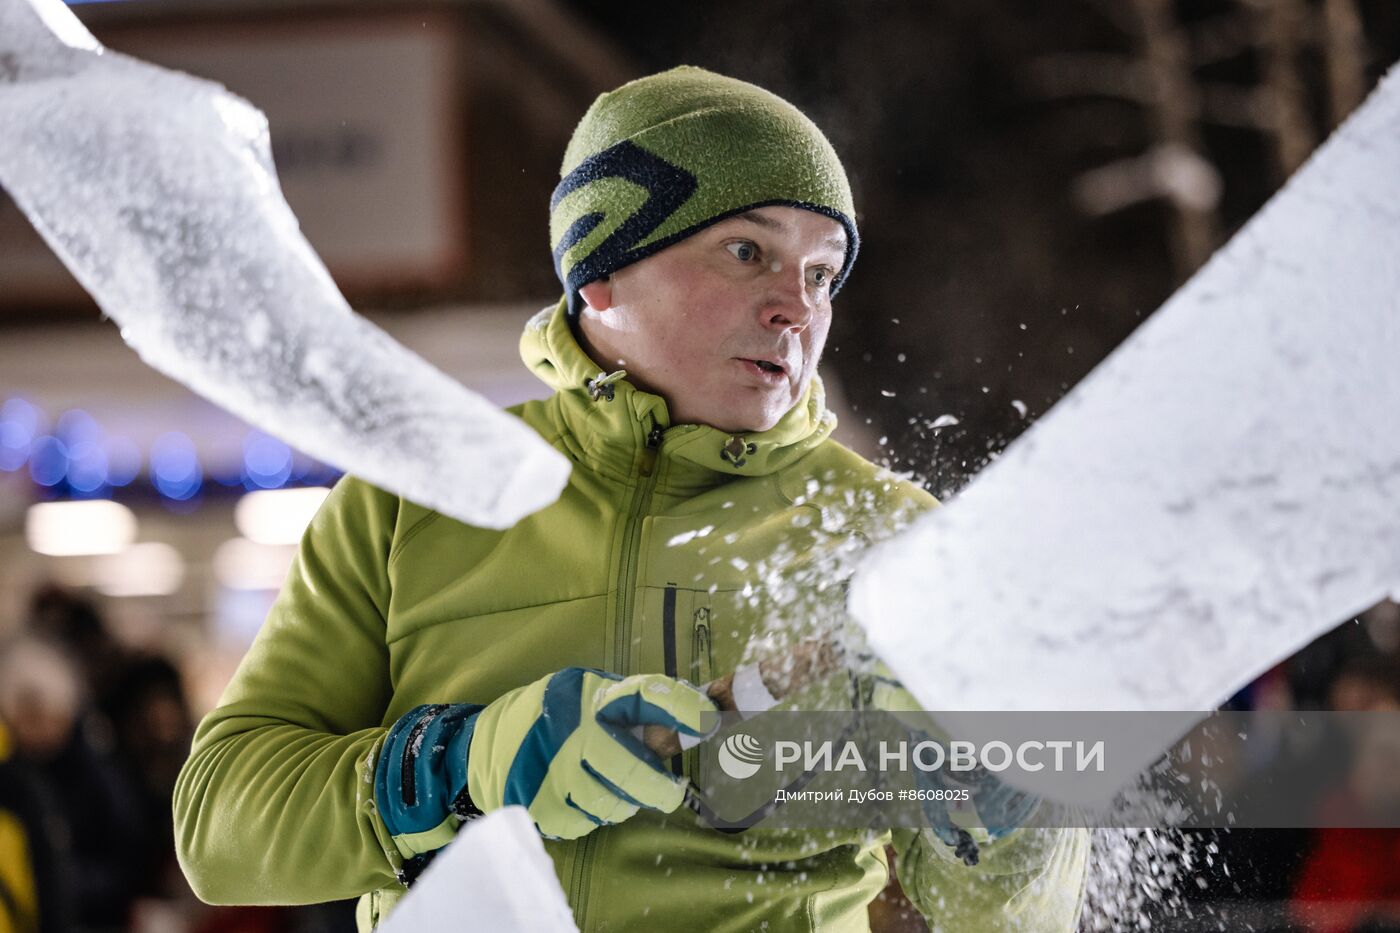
(604,385)
(653,445)
(700,647)
(737,450)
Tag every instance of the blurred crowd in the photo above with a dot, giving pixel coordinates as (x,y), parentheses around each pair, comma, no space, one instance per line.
(1334,879)
(93,734)
(92,737)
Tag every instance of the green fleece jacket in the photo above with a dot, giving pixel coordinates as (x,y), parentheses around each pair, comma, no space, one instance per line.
(674,549)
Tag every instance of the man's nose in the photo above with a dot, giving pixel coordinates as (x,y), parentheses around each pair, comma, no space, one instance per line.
(789,305)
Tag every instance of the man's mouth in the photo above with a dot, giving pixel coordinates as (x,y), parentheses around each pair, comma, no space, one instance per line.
(767,366)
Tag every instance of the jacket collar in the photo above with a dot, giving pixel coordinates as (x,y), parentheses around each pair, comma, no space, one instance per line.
(607,421)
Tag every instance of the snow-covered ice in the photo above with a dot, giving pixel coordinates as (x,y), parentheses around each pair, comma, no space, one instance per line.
(1224,488)
(494,876)
(158,191)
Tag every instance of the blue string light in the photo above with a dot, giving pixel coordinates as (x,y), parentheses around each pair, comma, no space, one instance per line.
(87,456)
(123,461)
(266,461)
(78,459)
(48,461)
(175,468)
(87,468)
(19,421)
(76,426)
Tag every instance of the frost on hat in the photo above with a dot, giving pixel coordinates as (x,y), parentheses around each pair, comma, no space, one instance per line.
(667,155)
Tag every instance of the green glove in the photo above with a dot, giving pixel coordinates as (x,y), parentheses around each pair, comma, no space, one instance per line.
(563,747)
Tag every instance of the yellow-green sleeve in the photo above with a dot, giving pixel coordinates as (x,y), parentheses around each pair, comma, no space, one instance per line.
(1031,881)
(275,804)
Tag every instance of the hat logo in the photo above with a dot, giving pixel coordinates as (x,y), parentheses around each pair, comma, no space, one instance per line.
(667,186)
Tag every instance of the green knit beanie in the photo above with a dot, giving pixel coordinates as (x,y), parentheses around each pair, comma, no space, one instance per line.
(665,156)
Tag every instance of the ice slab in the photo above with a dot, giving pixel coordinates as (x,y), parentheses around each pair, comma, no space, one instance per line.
(1224,488)
(158,192)
(494,876)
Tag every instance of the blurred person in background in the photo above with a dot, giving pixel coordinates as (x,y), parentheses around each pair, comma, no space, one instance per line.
(97,821)
(1351,879)
(151,726)
(32,896)
(74,623)
(125,744)
(139,718)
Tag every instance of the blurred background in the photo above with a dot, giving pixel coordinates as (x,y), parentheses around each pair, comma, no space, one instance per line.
(1034,178)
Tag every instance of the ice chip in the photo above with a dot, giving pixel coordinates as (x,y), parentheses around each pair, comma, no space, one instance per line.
(1216,494)
(157,190)
(496,873)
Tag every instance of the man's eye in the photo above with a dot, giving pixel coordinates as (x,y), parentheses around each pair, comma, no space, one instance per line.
(743,250)
(820,277)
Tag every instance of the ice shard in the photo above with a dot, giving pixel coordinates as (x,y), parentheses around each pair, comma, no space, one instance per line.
(1221,490)
(494,876)
(158,192)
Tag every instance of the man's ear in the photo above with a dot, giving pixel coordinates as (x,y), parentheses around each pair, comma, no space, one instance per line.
(598,294)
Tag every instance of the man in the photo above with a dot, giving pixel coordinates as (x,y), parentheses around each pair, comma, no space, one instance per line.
(416,671)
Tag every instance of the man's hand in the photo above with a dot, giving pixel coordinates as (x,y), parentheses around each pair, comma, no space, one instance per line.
(562,747)
(1000,808)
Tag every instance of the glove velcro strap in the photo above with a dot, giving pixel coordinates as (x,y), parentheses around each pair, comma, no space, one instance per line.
(421,770)
(464,808)
(413,867)
(412,845)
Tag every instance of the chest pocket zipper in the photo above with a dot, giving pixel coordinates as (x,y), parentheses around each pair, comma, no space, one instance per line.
(700,672)
(700,647)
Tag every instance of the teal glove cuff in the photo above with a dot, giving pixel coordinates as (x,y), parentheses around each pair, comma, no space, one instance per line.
(420,780)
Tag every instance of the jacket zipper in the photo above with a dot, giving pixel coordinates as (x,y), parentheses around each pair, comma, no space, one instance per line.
(668,644)
(579,885)
(622,652)
(631,547)
(699,672)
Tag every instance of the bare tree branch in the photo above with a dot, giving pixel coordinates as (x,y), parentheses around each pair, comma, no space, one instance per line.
(1249,108)
(1089,74)
(1344,48)
(1174,115)
(1292,132)
(1220,38)
(1118,13)
(1174,172)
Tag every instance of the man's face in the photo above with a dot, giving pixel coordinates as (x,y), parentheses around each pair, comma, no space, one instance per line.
(728,324)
